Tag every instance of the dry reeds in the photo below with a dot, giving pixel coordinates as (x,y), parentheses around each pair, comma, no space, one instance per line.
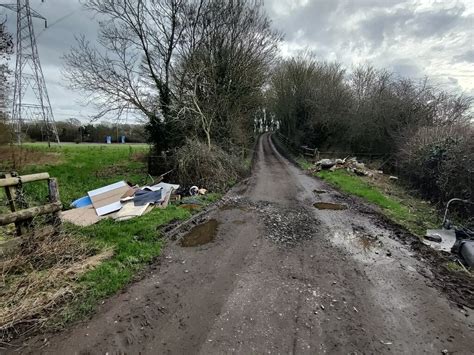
(39,277)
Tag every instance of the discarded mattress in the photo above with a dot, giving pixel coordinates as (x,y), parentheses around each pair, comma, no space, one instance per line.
(107,199)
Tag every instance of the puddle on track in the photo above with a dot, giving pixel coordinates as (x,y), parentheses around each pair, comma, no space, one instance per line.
(200,234)
(329,206)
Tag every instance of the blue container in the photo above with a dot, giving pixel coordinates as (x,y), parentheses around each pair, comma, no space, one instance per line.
(82,202)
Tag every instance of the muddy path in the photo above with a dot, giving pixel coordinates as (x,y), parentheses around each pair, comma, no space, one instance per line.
(273,274)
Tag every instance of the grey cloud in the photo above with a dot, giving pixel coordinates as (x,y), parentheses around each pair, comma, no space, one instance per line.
(386,23)
(383,24)
(467,57)
(453,81)
(407,68)
(432,23)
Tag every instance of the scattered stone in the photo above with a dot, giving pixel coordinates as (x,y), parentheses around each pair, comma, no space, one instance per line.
(355,309)
(322,307)
(389,253)
(280,223)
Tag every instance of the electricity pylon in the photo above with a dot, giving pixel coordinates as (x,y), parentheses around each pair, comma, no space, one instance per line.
(29,75)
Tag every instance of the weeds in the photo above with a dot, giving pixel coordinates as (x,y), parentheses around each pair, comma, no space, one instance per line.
(38,278)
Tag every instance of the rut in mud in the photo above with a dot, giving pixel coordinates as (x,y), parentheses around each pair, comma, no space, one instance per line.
(279,276)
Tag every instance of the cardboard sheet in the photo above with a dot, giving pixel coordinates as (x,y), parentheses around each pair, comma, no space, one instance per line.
(129,210)
(107,199)
(82,216)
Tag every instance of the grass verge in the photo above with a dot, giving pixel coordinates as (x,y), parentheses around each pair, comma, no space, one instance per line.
(408,211)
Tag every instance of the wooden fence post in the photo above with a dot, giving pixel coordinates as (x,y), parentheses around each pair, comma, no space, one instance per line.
(10,192)
(54,198)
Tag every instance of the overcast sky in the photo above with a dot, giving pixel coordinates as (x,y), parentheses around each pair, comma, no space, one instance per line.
(413,38)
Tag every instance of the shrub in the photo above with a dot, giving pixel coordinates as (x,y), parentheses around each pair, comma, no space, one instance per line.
(439,161)
(213,169)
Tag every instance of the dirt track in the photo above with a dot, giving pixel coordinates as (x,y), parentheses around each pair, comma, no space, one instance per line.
(280,277)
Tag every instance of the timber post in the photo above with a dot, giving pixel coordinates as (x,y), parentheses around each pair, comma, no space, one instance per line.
(54,198)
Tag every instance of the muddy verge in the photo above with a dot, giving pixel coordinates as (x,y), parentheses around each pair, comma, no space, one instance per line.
(458,285)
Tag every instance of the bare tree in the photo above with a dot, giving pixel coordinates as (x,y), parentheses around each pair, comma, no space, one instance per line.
(223,70)
(131,65)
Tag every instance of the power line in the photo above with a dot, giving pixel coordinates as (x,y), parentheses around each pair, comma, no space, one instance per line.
(29,75)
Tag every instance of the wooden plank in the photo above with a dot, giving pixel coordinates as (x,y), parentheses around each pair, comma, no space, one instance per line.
(32,212)
(13,181)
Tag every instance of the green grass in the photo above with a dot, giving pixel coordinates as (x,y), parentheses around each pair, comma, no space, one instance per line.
(82,168)
(405,210)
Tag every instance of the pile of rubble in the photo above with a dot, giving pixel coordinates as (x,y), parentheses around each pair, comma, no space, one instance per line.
(349,164)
